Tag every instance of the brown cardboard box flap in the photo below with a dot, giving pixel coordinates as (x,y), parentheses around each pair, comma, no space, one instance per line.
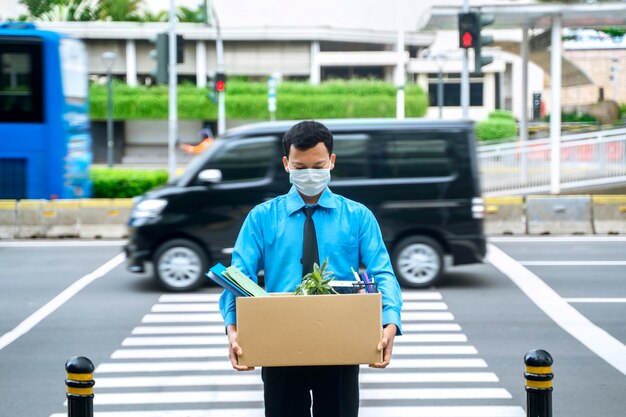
(309,330)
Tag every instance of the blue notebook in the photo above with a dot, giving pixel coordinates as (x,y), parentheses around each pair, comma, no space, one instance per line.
(216,274)
(235,281)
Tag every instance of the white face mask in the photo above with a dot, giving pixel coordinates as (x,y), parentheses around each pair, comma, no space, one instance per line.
(310,181)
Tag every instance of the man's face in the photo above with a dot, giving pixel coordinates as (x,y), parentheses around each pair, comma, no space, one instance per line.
(316,157)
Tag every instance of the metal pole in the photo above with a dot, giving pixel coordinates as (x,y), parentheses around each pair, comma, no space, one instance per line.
(555,112)
(523,123)
(538,374)
(440,92)
(614,61)
(400,76)
(219,55)
(109,119)
(173,110)
(79,384)
(465,74)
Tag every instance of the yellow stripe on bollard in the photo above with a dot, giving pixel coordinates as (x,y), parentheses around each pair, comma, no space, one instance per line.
(80,377)
(609,199)
(538,384)
(504,201)
(539,369)
(80,391)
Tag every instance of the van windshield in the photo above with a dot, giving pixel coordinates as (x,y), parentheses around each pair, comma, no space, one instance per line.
(197,162)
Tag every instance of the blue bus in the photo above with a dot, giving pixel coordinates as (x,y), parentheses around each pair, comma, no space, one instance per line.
(45,139)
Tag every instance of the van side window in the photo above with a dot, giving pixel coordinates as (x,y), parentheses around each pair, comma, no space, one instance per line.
(249,159)
(352,161)
(407,156)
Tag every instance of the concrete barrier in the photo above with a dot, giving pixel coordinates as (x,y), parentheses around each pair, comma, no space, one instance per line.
(60,218)
(559,215)
(104,218)
(8,219)
(505,216)
(30,219)
(609,214)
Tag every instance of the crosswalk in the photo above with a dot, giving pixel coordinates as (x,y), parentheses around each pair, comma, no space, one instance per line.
(175,364)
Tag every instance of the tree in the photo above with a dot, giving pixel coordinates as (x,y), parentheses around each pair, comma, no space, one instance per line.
(121,10)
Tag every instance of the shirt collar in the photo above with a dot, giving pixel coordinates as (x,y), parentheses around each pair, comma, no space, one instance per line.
(295,201)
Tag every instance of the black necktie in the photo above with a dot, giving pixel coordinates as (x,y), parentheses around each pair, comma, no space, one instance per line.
(309,247)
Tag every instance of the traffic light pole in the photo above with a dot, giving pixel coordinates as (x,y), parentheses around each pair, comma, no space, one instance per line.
(219,52)
(465,73)
(173,110)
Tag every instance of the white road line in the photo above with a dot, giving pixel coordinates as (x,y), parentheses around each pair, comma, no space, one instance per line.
(190,298)
(420,306)
(428,337)
(52,305)
(568,318)
(433,393)
(433,411)
(186,397)
(61,243)
(417,411)
(185,308)
(170,353)
(421,295)
(215,329)
(595,300)
(429,377)
(238,379)
(183,318)
(401,365)
(434,350)
(444,327)
(221,339)
(561,239)
(180,381)
(572,263)
(439,316)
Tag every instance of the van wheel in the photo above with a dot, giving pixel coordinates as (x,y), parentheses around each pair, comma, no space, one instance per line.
(179,265)
(418,262)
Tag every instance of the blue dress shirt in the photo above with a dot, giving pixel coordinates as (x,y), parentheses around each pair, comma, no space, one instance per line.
(347,234)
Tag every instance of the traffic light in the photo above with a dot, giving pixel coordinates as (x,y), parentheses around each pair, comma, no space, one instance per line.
(161,55)
(482,40)
(219,84)
(468,29)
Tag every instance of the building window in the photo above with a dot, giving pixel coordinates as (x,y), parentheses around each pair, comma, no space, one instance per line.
(347,73)
(452,90)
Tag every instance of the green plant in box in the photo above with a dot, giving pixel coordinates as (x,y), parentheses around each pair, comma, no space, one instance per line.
(316,282)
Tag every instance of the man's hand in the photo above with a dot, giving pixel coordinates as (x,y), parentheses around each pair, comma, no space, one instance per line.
(234,350)
(386,346)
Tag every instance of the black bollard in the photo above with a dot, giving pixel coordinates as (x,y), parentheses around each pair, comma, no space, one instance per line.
(79,387)
(538,383)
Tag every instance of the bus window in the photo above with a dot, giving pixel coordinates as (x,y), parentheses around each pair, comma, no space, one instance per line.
(20,82)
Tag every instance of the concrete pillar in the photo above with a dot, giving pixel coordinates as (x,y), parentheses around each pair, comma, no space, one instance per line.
(315,65)
(131,63)
(555,106)
(489,87)
(201,64)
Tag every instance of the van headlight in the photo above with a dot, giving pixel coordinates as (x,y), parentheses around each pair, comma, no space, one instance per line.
(148,208)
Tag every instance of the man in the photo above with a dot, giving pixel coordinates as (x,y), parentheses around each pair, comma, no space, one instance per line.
(283,237)
(206,136)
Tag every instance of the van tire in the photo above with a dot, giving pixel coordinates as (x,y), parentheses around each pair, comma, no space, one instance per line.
(418,262)
(179,265)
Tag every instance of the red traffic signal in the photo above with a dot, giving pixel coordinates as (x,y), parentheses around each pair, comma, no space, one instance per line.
(220,82)
(219,86)
(467,40)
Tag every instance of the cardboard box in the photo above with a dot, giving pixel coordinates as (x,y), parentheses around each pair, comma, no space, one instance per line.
(290,330)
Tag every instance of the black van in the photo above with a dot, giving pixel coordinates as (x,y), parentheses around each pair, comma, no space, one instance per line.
(419,178)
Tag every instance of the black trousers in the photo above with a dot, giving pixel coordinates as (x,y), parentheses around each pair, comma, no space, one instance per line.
(335,389)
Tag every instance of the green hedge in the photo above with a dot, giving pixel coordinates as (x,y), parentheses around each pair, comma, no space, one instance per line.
(248,100)
(500,124)
(125,183)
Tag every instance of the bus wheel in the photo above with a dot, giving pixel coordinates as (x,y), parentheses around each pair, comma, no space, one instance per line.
(418,262)
(179,265)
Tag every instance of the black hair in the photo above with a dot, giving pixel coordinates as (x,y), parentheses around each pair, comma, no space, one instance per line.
(305,135)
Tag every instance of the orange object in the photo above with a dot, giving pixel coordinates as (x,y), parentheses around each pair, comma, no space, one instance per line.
(199,148)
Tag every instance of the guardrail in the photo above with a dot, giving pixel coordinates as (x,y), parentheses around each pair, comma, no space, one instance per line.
(587,159)
(510,215)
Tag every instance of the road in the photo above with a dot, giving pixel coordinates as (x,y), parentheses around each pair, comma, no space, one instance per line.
(157,354)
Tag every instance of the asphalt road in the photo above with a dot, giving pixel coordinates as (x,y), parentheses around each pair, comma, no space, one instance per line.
(461,354)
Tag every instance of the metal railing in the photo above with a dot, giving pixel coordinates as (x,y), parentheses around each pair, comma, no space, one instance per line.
(586,159)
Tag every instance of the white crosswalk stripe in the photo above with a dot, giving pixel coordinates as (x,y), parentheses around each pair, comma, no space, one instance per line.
(175,364)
